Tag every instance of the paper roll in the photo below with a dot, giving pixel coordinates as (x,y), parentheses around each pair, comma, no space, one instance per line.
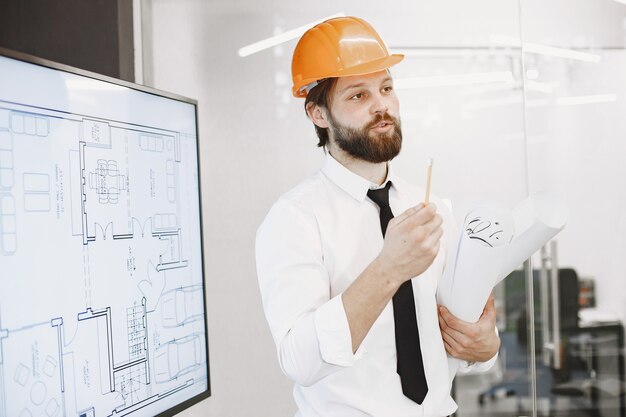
(474,268)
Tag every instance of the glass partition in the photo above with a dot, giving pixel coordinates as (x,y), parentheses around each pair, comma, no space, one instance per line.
(462,103)
(574,78)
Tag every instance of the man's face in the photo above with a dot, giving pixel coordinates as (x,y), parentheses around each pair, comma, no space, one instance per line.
(364,117)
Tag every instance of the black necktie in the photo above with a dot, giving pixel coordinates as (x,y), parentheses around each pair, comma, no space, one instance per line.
(410,362)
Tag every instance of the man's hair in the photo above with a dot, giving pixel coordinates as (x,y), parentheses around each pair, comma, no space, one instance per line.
(320,95)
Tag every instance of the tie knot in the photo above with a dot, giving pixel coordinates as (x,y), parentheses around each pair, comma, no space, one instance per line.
(380,196)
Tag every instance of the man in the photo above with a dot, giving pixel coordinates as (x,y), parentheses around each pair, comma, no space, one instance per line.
(349,291)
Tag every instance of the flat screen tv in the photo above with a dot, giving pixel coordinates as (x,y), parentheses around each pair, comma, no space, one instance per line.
(102,287)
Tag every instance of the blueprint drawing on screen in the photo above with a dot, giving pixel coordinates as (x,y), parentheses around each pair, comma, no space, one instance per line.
(101,293)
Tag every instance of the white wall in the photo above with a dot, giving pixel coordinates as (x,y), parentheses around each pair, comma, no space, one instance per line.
(580,151)
(256,142)
(193,46)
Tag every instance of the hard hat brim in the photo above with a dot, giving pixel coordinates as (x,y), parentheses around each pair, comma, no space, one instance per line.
(363,69)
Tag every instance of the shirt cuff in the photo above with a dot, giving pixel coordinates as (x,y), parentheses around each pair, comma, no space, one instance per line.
(478,366)
(333,334)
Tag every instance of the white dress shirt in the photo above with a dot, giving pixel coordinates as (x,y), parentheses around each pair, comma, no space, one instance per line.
(315,241)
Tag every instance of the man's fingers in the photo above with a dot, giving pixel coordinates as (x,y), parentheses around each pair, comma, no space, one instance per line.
(462,331)
(407,213)
(450,332)
(418,215)
(433,224)
(434,238)
(454,344)
(451,320)
(437,222)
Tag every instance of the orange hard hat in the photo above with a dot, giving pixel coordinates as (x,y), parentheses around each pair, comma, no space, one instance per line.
(338,47)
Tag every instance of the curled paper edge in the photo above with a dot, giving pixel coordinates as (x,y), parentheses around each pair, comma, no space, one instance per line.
(473,270)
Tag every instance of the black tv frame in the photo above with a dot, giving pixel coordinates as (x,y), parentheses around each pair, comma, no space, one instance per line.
(20,56)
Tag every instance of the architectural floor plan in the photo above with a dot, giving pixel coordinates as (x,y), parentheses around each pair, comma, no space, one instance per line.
(101,294)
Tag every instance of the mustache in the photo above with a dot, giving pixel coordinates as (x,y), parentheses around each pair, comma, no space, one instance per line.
(385,117)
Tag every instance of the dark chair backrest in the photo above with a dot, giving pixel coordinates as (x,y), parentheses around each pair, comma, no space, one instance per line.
(515,303)
(568,299)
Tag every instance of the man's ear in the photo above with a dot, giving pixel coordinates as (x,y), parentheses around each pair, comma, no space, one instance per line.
(317,115)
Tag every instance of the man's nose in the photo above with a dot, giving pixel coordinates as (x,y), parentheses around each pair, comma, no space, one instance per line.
(379,104)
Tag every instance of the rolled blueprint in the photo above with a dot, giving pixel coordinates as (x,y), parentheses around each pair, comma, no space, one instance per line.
(493,242)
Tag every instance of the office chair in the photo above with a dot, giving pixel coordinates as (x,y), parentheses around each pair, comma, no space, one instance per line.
(573,379)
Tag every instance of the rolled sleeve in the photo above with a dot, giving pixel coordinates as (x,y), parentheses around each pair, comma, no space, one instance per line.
(482,366)
(333,334)
(309,328)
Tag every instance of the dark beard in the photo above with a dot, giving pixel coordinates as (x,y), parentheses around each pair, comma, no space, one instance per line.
(368,146)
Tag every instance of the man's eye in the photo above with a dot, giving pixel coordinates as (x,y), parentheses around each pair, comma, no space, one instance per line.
(357,96)
(388,89)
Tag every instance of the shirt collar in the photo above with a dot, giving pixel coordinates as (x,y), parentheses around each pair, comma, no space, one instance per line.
(352,183)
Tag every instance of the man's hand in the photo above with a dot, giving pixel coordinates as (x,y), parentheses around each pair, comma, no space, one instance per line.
(473,342)
(411,242)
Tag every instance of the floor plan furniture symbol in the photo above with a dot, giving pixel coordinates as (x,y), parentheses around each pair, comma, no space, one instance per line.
(107,181)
